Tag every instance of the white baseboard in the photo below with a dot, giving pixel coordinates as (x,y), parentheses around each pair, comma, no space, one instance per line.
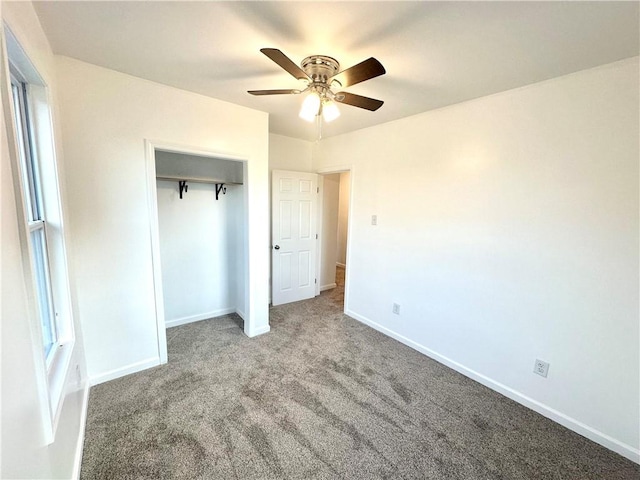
(126,370)
(77,461)
(201,316)
(257,331)
(327,287)
(338,264)
(603,439)
(241,315)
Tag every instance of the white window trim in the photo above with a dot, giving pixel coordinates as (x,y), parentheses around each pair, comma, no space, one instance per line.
(52,376)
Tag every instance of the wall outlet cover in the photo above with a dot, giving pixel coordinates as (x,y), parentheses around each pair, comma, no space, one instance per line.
(396,309)
(541,368)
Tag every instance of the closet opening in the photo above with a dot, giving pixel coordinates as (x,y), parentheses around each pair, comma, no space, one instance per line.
(199,239)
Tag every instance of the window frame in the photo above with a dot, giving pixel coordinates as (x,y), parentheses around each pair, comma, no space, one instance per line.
(36,216)
(52,370)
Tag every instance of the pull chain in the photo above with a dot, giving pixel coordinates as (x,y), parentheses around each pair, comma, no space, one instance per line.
(319,127)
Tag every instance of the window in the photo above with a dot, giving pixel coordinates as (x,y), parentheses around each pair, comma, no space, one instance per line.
(44,259)
(36,218)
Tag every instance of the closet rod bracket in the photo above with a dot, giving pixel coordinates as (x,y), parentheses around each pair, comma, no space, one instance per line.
(183,187)
(220,188)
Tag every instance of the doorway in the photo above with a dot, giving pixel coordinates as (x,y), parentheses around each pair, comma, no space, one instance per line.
(336,199)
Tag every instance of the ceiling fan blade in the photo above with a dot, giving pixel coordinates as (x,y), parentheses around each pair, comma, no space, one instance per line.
(285,62)
(366,70)
(273,92)
(358,101)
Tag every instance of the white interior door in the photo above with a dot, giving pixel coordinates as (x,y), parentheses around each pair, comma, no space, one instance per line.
(294,200)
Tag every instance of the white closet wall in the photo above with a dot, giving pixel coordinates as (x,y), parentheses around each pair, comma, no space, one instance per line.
(201,246)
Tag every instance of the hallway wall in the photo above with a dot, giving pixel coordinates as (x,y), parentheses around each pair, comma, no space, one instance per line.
(343,217)
(329,241)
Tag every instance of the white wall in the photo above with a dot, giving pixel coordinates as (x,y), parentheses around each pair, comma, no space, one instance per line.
(286,153)
(199,247)
(107,116)
(329,230)
(343,217)
(508,231)
(24,453)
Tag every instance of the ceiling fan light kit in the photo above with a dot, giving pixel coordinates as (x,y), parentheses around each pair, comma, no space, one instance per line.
(321,73)
(310,106)
(330,111)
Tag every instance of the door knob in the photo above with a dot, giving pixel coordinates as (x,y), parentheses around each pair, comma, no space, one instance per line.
(277,247)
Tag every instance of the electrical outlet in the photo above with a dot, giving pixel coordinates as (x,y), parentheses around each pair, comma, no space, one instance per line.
(396,309)
(374,220)
(541,368)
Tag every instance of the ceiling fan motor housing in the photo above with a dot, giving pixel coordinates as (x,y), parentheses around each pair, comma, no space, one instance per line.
(320,68)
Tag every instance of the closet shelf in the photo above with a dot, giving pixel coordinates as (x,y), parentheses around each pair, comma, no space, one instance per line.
(196,180)
(182,183)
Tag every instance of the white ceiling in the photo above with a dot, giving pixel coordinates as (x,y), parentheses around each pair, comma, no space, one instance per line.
(435,53)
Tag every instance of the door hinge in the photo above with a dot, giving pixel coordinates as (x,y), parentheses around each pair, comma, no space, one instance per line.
(317,189)
(315,280)
(316,236)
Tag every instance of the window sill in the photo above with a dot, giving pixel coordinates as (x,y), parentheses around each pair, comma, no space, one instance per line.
(56,380)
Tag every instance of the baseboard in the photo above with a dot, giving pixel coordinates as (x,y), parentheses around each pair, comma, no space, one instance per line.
(77,461)
(196,318)
(327,287)
(126,370)
(241,315)
(343,265)
(258,331)
(603,439)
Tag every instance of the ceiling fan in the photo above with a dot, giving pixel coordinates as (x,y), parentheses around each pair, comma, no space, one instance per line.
(321,73)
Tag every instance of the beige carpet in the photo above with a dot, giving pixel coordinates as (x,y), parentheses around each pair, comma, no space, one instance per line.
(320,397)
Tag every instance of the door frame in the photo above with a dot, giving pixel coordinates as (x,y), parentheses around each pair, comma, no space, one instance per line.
(329,171)
(154,232)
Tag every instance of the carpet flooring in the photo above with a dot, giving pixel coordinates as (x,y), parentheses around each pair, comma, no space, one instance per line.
(321,396)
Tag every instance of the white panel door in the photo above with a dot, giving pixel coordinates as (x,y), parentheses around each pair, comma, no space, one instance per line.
(294,200)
